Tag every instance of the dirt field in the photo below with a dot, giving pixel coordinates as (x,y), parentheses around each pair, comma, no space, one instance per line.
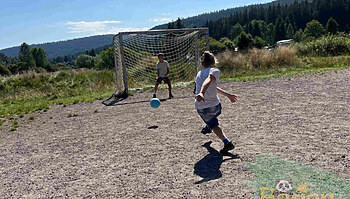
(117,151)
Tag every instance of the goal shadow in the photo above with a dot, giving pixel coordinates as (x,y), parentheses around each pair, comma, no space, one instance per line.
(115,102)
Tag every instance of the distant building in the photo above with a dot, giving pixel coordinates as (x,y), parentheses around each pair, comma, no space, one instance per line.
(284,42)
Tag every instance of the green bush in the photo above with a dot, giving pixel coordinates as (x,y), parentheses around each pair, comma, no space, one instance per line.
(228,43)
(216,46)
(258,42)
(331,45)
(4,71)
(244,41)
(85,61)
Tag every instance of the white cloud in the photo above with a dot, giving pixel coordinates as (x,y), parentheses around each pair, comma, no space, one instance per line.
(164,19)
(98,27)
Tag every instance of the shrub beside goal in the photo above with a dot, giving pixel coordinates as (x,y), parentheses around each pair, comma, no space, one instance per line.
(135,56)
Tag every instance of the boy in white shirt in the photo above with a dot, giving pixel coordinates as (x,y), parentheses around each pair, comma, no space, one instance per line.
(162,75)
(207,102)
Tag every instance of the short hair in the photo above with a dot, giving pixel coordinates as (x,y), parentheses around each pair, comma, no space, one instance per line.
(208,59)
(160,54)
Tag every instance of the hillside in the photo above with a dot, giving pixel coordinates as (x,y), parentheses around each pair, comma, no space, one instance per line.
(80,45)
(69,47)
(200,20)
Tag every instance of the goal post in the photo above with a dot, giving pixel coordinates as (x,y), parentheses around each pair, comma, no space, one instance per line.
(136,55)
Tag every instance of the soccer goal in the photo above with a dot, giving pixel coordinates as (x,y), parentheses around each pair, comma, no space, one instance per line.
(136,55)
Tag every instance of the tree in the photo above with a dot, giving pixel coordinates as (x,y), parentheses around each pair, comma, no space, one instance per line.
(4,71)
(92,53)
(258,42)
(106,59)
(256,31)
(280,29)
(314,29)
(235,31)
(290,31)
(39,56)
(298,35)
(332,26)
(171,25)
(228,43)
(244,41)
(270,34)
(179,24)
(347,29)
(85,61)
(26,59)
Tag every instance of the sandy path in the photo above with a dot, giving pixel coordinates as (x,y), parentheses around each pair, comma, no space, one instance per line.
(109,152)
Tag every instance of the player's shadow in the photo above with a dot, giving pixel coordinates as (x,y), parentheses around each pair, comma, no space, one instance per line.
(209,167)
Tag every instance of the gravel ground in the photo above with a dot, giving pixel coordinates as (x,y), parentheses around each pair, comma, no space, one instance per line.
(131,150)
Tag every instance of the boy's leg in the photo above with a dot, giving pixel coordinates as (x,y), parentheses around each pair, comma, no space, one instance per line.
(169,86)
(155,89)
(217,130)
(228,144)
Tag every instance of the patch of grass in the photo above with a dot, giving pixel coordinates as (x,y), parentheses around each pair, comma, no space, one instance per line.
(309,65)
(73,115)
(33,92)
(13,129)
(31,118)
(269,168)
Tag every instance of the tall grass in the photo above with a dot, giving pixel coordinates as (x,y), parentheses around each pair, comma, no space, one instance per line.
(33,92)
(257,60)
(34,84)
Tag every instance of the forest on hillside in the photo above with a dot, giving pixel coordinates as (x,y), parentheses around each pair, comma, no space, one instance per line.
(202,19)
(281,20)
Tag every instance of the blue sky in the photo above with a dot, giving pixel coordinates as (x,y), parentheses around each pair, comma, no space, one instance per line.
(41,21)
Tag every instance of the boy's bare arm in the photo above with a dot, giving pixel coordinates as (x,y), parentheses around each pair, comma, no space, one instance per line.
(231,97)
(205,86)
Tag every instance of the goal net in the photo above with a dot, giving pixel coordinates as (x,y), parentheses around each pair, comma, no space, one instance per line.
(136,55)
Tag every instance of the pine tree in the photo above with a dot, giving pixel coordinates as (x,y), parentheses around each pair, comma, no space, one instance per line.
(280,29)
(92,53)
(171,25)
(179,24)
(235,31)
(41,58)
(27,61)
(270,34)
(347,29)
(290,31)
(332,26)
(256,31)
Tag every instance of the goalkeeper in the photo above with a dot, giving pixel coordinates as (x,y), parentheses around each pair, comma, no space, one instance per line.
(162,75)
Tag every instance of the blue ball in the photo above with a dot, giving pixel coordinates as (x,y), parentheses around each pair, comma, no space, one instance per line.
(155,102)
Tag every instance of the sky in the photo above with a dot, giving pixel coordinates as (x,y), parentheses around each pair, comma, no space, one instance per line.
(41,21)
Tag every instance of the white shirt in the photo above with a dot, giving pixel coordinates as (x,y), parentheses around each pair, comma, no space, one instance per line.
(163,68)
(210,97)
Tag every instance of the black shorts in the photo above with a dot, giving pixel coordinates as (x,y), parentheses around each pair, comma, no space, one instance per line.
(166,80)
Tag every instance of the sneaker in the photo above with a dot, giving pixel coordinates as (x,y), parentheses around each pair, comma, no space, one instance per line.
(154,95)
(171,96)
(229,146)
(206,130)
